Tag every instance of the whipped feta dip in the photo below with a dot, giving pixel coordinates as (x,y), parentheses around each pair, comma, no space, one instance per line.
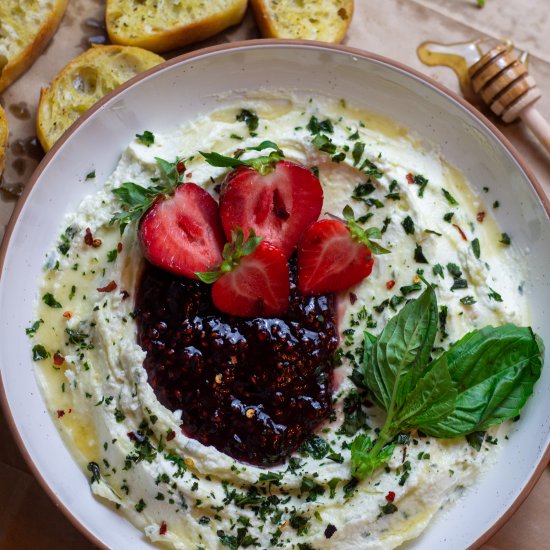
(186,495)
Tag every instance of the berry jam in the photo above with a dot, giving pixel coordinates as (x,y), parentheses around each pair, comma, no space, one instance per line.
(254,388)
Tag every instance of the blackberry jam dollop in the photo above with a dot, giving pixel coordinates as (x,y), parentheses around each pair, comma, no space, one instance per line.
(253,388)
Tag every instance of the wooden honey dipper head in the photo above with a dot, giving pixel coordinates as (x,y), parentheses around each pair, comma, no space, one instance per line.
(503,82)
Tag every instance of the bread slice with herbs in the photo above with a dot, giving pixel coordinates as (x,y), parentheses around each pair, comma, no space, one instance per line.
(161,26)
(3,139)
(82,82)
(324,20)
(26,26)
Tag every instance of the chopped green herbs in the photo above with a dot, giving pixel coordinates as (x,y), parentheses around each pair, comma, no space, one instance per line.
(494,295)
(419,256)
(39,352)
(505,239)
(324,143)
(408,289)
(31,331)
(450,199)
(316,127)
(468,300)
(112,255)
(459,284)
(476,249)
(50,301)
(250,119)
(438,270)
(316,447)
(408,225)
(90,175)
(357,152)
(147,138)
(448,217)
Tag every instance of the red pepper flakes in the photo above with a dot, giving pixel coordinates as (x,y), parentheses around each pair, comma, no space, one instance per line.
(180,167)
(163,528)
(58,359)
(352,298)
(190,175)
(390,284)
(410,178)
(480,217)
(462,234)
(125,295)
(60,413)
(390,497)
(108,288)
(170,435)
(67,314)
(119,248)
(89,239)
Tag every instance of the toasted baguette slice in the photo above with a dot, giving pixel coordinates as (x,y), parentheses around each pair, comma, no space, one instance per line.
(3,139)
(82,82)
(26,26)
(325,20)
(165,25)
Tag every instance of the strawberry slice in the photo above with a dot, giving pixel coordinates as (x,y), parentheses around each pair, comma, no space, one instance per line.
(279,205)
(253,279)
(330,259)
(182,233)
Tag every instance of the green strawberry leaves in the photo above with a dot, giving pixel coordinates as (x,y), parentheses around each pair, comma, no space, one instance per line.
(136,199)
(482,380)
(232,253)
(263,164)
(361,235)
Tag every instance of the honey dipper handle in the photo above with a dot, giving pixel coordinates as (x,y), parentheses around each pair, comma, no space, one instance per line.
(538,125)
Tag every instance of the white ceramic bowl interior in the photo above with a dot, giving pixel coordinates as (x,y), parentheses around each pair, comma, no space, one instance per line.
(180,91)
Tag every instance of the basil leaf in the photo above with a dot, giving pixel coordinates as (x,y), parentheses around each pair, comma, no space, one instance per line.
(432,398)
(494,369)
(402,350)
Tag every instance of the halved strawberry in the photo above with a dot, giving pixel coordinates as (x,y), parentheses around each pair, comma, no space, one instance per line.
(253,279)
(182,233)
(279,205)
(335,255)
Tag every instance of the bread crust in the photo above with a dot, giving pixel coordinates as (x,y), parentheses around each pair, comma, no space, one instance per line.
(17,65)
(53,118)
(179,36)
(3,139)
(269,29)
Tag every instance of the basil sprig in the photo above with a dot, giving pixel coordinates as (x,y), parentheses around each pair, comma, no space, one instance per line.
(263,164)
(482,380)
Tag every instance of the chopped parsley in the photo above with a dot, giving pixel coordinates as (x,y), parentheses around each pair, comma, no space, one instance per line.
(450,199)
(147,138)
(408,225)
(31,331)
(50,301)
(505,239)
(476,248)
(39,352)
(494,295)
(250,119)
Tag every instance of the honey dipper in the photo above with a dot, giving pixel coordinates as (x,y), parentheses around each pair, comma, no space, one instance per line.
(504,84)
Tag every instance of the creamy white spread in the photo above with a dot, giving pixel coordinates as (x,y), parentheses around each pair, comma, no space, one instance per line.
(191,496)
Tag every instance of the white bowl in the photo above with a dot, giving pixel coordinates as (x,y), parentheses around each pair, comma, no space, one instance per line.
(181,89)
